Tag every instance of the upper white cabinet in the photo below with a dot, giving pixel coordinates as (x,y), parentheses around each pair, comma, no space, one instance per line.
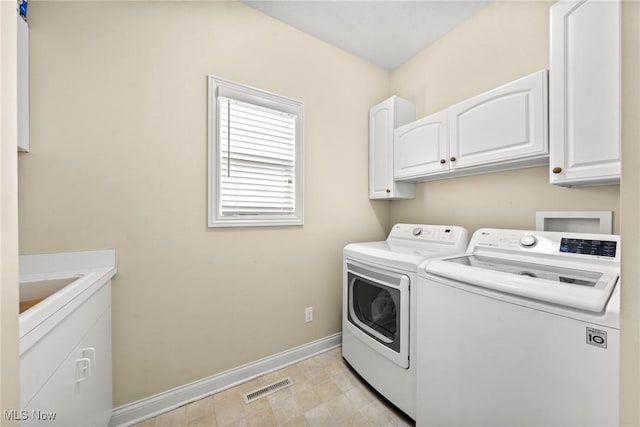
(504,124)
(383,119)
(505,128)
(585,93)
(23,84)
(421,147)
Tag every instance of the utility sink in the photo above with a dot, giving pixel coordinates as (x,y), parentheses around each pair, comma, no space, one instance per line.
(65,326)
(35,291)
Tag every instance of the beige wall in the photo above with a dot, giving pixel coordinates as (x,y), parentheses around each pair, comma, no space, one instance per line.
(118,159)
(630,206)
(9,376)
(502,42)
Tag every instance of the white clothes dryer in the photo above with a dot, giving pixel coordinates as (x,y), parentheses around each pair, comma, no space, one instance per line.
(379,307)
(523,330)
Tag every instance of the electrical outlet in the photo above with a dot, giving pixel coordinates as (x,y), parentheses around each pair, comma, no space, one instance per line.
(308,314)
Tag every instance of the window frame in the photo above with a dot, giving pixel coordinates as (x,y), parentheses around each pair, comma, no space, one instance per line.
(221,87)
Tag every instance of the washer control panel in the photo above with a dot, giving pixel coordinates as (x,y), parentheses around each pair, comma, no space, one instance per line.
(578,245)
(597,247)
(423,233)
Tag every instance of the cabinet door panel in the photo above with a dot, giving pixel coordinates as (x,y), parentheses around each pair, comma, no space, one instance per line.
(421,147)
(384,118)
(585,92)
(79,392)
(506,123)
(381,150)
(39,362)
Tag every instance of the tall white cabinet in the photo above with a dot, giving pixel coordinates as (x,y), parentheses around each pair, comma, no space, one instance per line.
(584,93)
(383,119)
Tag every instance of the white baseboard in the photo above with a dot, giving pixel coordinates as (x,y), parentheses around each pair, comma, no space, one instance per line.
(168,400)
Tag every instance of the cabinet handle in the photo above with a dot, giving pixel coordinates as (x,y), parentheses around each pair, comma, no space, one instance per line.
(556,170)
(443,161)
(83,369)
(453,159)
(91,355)
(388,191)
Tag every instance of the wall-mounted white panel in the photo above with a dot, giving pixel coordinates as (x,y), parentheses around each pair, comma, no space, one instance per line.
(600,222)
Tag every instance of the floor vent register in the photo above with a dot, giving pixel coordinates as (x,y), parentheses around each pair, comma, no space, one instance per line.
(267,390)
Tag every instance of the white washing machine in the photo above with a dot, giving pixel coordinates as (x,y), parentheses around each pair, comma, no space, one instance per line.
(379,308)
(523,330)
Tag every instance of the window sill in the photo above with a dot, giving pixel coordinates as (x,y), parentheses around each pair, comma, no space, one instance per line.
(235,222)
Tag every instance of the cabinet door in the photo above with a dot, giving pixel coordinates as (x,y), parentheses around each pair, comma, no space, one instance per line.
(79,392)
(502,125)
(381,150)
(40,357)
(585,92)
(422,147)
(23,84)
(383,119)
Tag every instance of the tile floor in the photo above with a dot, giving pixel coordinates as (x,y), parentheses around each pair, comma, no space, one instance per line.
(325,392)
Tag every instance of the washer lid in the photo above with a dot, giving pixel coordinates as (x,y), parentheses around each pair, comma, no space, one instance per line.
(581,289)
(405,257)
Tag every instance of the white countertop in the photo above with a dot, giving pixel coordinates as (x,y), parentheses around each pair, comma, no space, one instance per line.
(93,268)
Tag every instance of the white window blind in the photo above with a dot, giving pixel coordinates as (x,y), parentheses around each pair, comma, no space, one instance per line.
(257,160)
(255,157)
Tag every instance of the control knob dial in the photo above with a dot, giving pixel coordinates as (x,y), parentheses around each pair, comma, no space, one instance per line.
(528,241)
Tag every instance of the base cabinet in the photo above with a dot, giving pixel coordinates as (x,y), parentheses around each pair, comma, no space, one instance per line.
(585,140)
(66,376)
(79,392)
(384,118)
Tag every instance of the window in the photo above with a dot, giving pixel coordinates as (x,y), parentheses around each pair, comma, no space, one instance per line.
(255,157)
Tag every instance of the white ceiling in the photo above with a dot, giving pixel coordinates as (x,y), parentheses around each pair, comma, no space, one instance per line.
(386,33)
